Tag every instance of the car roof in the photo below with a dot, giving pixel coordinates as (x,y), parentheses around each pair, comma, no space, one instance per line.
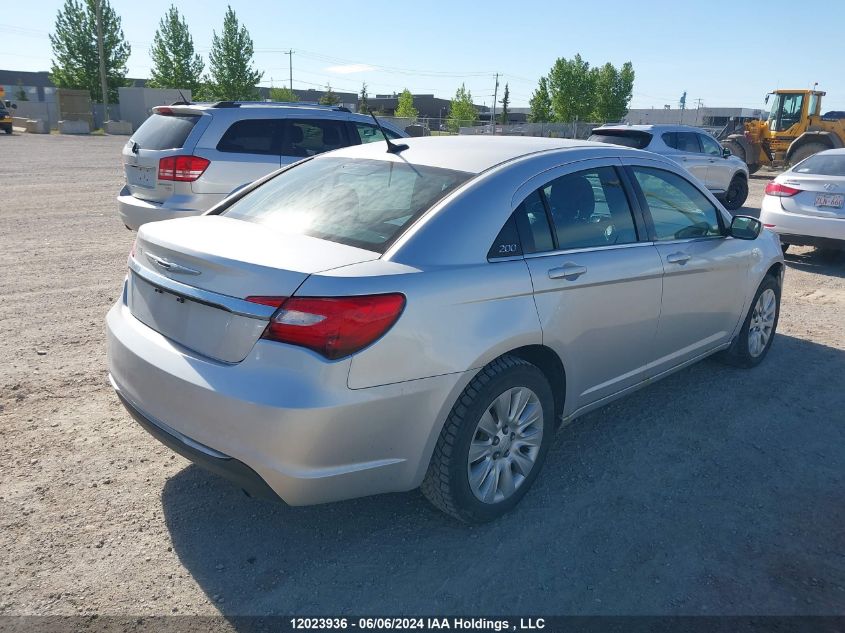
(472,154)
(655,127)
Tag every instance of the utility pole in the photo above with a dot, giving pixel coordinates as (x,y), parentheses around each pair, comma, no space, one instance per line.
(493,116)
(290,61)
(104,86)
(697,109)
(683,103)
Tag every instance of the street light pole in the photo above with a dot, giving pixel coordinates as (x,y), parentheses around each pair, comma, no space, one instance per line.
(493,116)
(290,61)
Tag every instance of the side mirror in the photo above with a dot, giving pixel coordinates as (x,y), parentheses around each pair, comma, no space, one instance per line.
(726,153)
(744,227)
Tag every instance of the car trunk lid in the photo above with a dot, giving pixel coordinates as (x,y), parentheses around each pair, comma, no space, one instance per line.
(822,196)
(190,279)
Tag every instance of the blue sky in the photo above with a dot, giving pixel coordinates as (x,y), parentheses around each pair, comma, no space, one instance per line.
(724,53)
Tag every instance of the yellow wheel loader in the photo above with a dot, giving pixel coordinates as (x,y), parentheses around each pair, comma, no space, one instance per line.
(794,130)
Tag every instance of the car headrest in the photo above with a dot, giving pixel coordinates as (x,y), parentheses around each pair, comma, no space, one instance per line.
(572,198)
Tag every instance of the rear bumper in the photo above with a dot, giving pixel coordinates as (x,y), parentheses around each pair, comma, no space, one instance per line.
(802,230)
(280,414)
(135,212)
(203,456)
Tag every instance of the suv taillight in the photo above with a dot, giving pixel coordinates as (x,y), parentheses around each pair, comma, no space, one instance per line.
(182,168)
(332,326)
(780,191)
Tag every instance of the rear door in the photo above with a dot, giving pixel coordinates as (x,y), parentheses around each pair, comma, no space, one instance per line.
(705,272)
(597,278)
(244,151)
(160,136)
(687,152)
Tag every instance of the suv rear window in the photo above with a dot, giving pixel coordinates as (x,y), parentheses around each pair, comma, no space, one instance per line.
(162,131)
(822,165)
(363,203)
(636,139)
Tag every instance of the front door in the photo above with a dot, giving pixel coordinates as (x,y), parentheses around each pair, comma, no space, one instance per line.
(705,272)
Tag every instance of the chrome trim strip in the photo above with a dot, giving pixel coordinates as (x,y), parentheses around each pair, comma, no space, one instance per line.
(588,249)
(224,302)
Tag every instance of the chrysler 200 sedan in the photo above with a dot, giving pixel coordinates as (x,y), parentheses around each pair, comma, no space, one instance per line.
(381,318)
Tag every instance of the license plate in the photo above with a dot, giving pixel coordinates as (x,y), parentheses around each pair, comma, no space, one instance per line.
(141,176)
(829,200)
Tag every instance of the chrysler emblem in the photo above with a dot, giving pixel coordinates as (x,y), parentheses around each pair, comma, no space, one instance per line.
(171,267)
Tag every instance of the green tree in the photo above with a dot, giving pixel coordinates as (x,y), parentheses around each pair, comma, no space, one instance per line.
(329,97)
(175,65)
(405,107)
(541,103)
(20,93)
(572,89)
(285,95)
(75,61)
(613,90)
(232,76)
(363,103)
(462,111)
(506,102)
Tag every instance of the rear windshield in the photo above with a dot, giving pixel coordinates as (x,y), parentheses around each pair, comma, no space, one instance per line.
(629,138)
(822,165)
(363,203)
(164,131)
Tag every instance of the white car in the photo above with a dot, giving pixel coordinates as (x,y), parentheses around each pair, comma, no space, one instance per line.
(805,205)
(699,153)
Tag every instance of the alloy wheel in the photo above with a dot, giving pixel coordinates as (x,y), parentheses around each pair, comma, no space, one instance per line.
(762,322)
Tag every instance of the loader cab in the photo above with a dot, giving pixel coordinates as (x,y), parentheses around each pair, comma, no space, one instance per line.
(789,108)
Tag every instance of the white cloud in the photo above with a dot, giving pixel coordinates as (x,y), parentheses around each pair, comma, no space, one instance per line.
(350,68)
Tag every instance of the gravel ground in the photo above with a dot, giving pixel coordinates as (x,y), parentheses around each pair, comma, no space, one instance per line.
(716,491)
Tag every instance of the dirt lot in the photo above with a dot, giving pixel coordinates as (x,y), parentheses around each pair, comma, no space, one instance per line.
(716,491)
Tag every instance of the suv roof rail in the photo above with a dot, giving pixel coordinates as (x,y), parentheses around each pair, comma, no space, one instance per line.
(307,104)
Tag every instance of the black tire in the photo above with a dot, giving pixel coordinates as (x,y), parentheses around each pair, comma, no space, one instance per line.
(446,483)
(739,354)
(736,149)
(737,193)
(805,151)
(784,247)
(8,130)
(753,168)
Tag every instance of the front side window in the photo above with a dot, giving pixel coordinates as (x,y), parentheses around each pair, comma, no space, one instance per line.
(678,209)
(314,136)
(589,208)
(368,133)
(363,203)
(709,145)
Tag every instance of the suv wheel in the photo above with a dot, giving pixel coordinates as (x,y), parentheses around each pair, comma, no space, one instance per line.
(494,442)
(754,340)
(737,193)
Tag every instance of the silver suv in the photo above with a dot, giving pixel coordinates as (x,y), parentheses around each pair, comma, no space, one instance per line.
(721,172)
(185,159)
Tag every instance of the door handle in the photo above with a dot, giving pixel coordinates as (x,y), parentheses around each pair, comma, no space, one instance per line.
(678,258)
(567,271)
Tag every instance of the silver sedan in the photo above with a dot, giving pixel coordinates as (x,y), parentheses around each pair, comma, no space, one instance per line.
(381,318)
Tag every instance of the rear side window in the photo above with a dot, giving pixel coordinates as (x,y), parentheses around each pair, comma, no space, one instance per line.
(589,209)
(370,133)
(313,136)
(527,231)
(677,208)
(709,145)
(628,138)
(822,165)
(252,136)
(363,203)
(162,131)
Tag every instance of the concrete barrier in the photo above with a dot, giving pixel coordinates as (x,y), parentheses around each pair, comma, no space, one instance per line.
(74,127)
(37,126)
(119,127)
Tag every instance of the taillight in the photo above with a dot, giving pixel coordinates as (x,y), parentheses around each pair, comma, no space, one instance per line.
(182,168)
(779,190)
(332,326)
